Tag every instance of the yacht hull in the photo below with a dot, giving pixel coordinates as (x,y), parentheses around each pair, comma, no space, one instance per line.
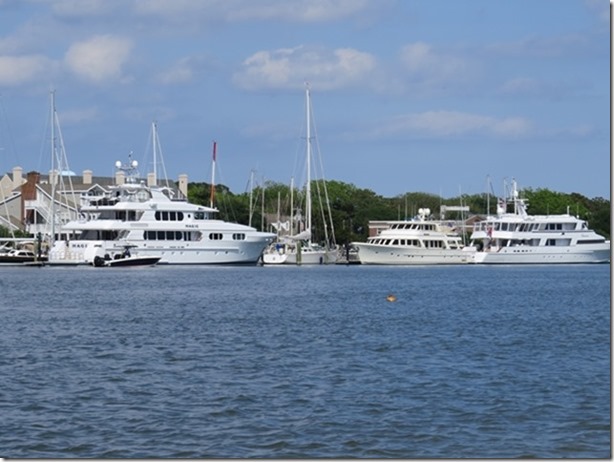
(371,254)
(542,255)
(306,257)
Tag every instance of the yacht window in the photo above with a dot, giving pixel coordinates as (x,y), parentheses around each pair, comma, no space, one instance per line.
(108,235)
(238,236)
(215,236)
(191,236)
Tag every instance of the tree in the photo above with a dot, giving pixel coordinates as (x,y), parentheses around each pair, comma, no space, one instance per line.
(353,207)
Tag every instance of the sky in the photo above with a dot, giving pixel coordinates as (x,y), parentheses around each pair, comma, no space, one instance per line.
(435,96)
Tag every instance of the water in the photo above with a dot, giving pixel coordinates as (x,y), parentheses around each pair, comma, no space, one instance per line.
(310,362)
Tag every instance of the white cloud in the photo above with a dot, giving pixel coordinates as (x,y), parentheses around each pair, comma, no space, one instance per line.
(600,8)
(15,70)
(521,86)
(245,10)
(444,124)
(83,8)
(100,58)
(291,67)
(184,70)
(421,61)
(543,47)
(75,116)
(181,72)
(301,11)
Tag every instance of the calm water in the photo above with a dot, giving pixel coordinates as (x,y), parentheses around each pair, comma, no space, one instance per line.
(311,362)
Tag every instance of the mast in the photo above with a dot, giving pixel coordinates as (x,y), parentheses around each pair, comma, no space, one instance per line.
(154,134)
(278,212)
(262,208)
(213,175)
(53,166)
(308,188)
(291,206)
(251,197)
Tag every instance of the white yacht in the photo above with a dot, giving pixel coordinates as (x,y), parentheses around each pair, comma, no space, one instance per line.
(517,237)
(153,221)
(414,242)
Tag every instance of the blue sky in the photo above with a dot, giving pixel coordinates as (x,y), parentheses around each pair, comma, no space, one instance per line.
(408,95)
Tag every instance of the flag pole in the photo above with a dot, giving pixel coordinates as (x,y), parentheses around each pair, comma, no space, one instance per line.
(213,175)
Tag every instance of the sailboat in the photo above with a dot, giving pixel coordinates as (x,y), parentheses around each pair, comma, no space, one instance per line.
(297,249)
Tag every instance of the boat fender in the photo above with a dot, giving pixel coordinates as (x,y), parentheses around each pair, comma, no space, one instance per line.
(98,261)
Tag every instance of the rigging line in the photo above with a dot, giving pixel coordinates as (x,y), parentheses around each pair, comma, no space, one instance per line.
(64,168)
(322,179)
(159,149)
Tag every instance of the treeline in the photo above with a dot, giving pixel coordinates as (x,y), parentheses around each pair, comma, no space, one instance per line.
(352,208)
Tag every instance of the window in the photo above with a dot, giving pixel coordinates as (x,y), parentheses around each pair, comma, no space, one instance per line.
(216,236)
(238,236)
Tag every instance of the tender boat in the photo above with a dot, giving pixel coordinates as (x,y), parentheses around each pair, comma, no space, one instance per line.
(125,258)
(155,222)
(517,237)
(420,241)
(21,257)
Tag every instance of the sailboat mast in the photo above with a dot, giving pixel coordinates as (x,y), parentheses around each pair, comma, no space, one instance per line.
(278,212)
(213,175)
(251,197)
(308,188)
(154,135)
(53,168)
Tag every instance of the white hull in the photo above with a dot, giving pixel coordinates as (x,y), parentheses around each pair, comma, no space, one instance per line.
(414,242)
(370,254)
(80,253)
(520,238)
(152,222)
(307,257)
(527,255)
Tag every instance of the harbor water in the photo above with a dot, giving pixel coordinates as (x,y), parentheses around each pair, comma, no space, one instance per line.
(306,362)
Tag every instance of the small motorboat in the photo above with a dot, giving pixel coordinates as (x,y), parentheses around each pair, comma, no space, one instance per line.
(22,257)
(125,258)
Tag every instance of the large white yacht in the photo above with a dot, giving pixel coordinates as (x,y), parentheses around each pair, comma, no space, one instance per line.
(153,221)
(414,242)
(517,237)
